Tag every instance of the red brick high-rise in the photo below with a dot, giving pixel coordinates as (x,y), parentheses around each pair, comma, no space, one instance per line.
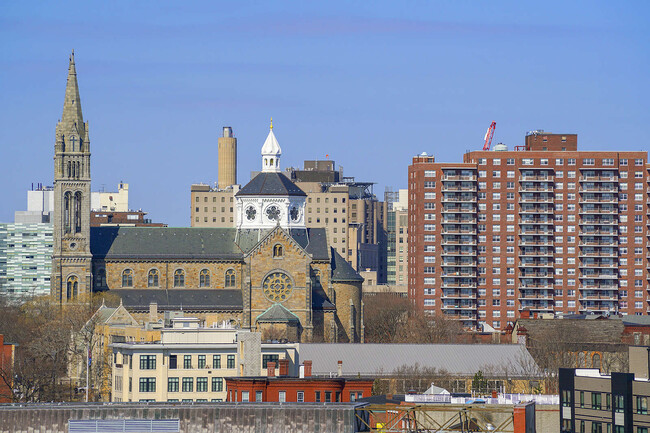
(544,228)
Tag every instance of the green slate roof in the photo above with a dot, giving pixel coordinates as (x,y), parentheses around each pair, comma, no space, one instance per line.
(277,313)
(342,270)
(192,242)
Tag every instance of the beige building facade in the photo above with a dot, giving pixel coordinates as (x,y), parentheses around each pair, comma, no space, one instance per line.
(212,207)
(190,363)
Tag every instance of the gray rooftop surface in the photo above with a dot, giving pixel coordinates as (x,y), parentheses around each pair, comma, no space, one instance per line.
(271,184)
(457,359)
(174,299)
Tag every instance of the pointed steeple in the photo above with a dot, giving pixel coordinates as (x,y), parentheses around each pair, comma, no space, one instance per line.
(72,104)
(271,152)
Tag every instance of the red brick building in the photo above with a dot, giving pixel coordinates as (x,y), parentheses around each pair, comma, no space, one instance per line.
(307,389)
(7,351)
(544,228)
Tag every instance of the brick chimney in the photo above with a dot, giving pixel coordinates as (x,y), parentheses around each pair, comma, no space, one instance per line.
(340,370)
(270,369)
(307,369)
(525,314)
(284,367)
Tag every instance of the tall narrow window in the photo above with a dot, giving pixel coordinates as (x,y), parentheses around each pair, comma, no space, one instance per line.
(67,206)
(69,169)
(230,278)
(72,287)
(127,278)
(179,278)
(204,278)
(77,212)
(100,278)
(277,250)
(152,278)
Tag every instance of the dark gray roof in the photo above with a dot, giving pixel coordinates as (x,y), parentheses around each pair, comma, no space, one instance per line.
(192,242)
(383,359)
(271,184)
(342,270)
(277,313)
(164,242)
(319,299)
(175,299)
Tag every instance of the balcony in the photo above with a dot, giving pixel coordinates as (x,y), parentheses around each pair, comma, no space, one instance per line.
(599,265)
(598,298)
(597,309)
(597,211)
(598,222)
(458,232)
(598,232)
(458,209)
(605,200)
(458,252)
(447,285)
(537,210)
(459,275)
(459,264)
(458,307)
(599,244)
(537,178)
(456,294)
(459,221)
(535,189)
(447,199)
(534,243)
(448,188)
(599,189)
(535,200)
(535,253)
(598,178)
(471,242)
(534,275)
(608,287)
(599,276)
(536,221)
(536,265)
(535,232)
(458,177)
(596,254)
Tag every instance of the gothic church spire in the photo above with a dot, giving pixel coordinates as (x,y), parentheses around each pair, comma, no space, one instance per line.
(72,105)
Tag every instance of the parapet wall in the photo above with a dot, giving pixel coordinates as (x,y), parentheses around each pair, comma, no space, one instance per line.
(193,418)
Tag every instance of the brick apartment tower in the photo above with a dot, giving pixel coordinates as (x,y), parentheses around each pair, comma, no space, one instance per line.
(71,258)
(541,229)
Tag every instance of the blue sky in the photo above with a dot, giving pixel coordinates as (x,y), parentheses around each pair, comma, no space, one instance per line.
(371,83)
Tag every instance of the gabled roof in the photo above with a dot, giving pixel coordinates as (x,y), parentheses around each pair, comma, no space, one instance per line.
(164,242)
(277,313)
(176,299)
(342,270)
(271,183)
(370,359)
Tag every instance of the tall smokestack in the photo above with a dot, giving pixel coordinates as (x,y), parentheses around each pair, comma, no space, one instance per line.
(227,163)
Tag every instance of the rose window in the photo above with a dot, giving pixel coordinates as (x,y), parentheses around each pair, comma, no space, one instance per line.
(250,213)
(277,287)
(273,213)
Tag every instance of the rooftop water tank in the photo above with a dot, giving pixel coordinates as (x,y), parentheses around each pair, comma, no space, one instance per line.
(500,147)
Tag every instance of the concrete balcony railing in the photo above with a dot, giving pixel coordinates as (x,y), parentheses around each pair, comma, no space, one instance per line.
(598,178)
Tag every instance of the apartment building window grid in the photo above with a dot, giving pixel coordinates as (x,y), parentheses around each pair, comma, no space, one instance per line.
(566,249)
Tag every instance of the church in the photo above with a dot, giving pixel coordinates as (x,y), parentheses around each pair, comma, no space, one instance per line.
(269,273)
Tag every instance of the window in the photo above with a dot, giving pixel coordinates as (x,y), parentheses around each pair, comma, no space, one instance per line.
(173,362)
(179,278)
(596,400)
(230,361)
(230,278)
(317,396)
(642,405)
(202,384)
(187,361)
(147,384)
(300,396)
(201,363)
(217,384)
(172,384)
(619,403)
(147,362)
(328,396)
(188,384)
(204,278)
(277,250)
(152,278)
(269,358)
(282,396)
(582,399)
(127,278)
(259,395)
(216,361)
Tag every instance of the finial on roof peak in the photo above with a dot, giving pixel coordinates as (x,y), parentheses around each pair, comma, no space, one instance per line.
(271,124)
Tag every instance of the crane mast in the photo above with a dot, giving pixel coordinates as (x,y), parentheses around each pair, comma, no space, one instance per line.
(488,135)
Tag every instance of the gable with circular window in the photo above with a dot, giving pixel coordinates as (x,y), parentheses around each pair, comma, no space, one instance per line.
(277,286)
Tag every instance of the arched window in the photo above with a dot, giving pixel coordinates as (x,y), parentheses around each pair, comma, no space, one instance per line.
(69,169)
(127,278)
(152,278)
(230,278)
(78,170)
(67,206)
(595,361)
(277,250)
(204,278)
(77,212)
(100,277)
(72,287)
(179,278)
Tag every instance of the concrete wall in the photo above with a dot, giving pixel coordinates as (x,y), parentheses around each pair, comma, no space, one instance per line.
(194,418)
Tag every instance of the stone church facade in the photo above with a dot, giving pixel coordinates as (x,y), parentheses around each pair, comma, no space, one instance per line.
(269,273)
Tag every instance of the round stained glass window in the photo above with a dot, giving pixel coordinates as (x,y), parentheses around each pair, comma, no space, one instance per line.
(277,287)
(294,213)
(273,213)
(250,213)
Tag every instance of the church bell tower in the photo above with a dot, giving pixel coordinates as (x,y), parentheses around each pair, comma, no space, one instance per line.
(71,258)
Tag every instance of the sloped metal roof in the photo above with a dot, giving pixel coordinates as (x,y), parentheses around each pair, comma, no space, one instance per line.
(384,359)
(174,299)
(342,270)
(277,313)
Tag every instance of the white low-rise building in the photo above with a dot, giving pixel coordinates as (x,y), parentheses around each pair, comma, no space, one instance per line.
(190,363)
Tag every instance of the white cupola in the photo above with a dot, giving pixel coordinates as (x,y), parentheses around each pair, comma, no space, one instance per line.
(271,153)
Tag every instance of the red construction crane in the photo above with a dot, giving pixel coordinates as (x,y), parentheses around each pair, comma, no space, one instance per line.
(488,135)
